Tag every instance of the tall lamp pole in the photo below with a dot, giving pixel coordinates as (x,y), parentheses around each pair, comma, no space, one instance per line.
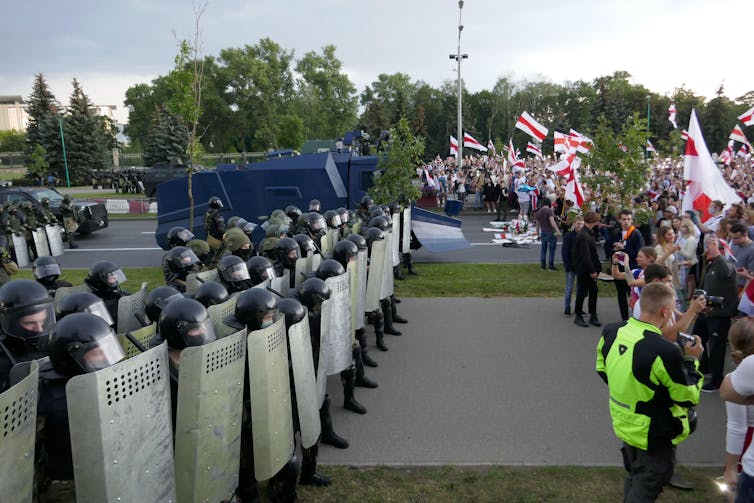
(62,142)
(649,111)
(458,57)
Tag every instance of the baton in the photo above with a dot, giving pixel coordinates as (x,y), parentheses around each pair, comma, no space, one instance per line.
(141,320)
(275,292)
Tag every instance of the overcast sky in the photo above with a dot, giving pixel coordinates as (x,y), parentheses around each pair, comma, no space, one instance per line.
(110,46)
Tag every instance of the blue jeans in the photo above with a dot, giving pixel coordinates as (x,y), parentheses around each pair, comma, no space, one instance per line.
(548,240)
(570,280)
(478,199)
(745,488)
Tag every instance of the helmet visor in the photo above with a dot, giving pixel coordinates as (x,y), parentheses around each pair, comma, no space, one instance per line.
(318,224)
(44,271)
(197,333)
(99,309)
(98,354)
(115,278)
(336,221)
(234,273)
(344,217)
(29,322)
(187,259)
(185,235)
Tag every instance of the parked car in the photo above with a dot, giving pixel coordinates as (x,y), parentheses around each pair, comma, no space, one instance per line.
(93,215)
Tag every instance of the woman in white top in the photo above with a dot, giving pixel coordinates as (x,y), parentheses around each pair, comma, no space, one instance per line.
(686,257)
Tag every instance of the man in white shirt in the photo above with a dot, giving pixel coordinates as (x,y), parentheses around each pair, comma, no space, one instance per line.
(738,387)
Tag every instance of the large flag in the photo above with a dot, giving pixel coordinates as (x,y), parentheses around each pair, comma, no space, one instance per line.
(747,117)
(471,142)
(582,143)
(671,115)
(738,135)
(453,146)
(534,150)
(515,163)
(528,125)
(559,143)
(705,180)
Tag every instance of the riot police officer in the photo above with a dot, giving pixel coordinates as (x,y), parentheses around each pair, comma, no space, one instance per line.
(211,293)
(84,302)
(305,245)
(70,219)
(234,274)
(104,280)
(202,251)
(315,206)
(179,236)
(376,317)
(157,299)
(178,263)
(214,224)
(236,242)
(260,270)
(47,271)
(361,333)
(365,207)
(286,254)
(293,213)
(47,216)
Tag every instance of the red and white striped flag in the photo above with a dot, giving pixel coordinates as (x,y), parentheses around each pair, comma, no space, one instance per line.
(738,135)
(726,155)
(671,115)
(746,304)
(534,150)
(650,147)
(491,147)
(453,146)
(684,135)
(743,151)
(528,125)
(582,143)
(727,252)
(747,117)
(559,141)
(471,142)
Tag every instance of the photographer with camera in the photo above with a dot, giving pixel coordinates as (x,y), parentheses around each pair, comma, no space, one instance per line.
(651,385)
(719,289)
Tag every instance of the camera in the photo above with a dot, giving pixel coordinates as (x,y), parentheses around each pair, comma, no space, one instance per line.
(685,339)
(620,256)
(712,300)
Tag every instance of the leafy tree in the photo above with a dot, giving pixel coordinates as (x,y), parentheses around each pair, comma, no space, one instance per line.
(290,132)
(386,101)
(12,141)
(397,165)
(38,164)
(84,138)
(167,140)
(43,127)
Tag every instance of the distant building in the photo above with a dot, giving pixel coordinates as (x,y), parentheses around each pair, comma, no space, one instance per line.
(13,113)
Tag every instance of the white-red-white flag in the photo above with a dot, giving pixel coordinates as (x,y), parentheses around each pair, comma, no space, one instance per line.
(471,142)
(747,117)
(650,147)
(453,146)
(491,147)
(671,115)
(684,135)
(528,125)
(582,143)
(746,304)
(559,141)
(738,135)
(743,151)
(705,181)
(726,156)
(534,150)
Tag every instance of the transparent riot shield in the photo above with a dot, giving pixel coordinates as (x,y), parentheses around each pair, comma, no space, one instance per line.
(406,230)
(386,288)
(131,315)
(359,298)
(195,279)
(40,242)
(356,228)
(304,382)
(22,251)
(375,276)
(395,240)
(208,419)
(300,272)
(269,385)
(282,284)
(145,336)
(337,334)
(221,312)
(55,239)
(64,291)
(326,244)
(121,435)
(19,426)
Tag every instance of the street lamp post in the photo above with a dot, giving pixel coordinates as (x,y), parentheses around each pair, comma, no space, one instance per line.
(649,111)
(458,57)
(54,110)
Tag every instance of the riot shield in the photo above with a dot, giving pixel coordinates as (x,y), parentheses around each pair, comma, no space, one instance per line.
(321,370)
(386,287)
(64,291)
(55,239)
(355,289)
(19,406)
(304,382)
(406,230)
(144,335)
(21,250)
(396,239)
(221,312)
(130,309)
(282,284)
(195,279)
(333,236)
(208,419)
(269,384)
(121,435)
(361,292)
(40,242)
(356,228)
(374,276)
(300,272)
(336,336)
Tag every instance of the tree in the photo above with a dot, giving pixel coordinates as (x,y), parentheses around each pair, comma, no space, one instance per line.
(38,164)
(84,138)
(167,140)
(43,128)
(397,166)
(12,141)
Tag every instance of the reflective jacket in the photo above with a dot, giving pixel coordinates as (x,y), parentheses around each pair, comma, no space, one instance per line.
(650,383)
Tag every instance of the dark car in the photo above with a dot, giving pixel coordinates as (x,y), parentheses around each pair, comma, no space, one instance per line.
(93,216)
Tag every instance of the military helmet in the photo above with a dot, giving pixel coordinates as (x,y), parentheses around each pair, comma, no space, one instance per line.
(395,207)
(366,203)
(276,231)
(379,222)
(215,202)
(211,293)
(233,221)
(179,236)
(157,299)
(293,311)
(256,308)
(45,201)
(47,269)
(343,214)
(232,269)
(260,269)
(185,323)
(376,212)
(84,302)
(333,219)
(312,293)
(235,239)
(287,252)
(26,309)
(200,248)
(280,214)
(329,268)
(105,275)
(315,223)
(305,244)
(181,259)
(81,343)
(315,205)
(385,209)
(358,240)
(293,212)
(344,251)
(67,198)
(373,234)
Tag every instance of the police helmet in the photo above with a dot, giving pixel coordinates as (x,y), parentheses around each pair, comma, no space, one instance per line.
(45,201)
(379,222)
(329,268)
(81,343)
(358,240)
(256,308)
(211,293)
(26,309)
(312,293)
(333,219)
(376,212)
(344,251)
(232,269)
(179,236)
(46,270)
(373,234)
(305,244)
(366,203)
(105,275)
(395,207)
(84,302)
(260,269)
(293,311)
(181,259)
(293,212)
(215,202)
(315,205)
(343,214)
(157,299)
(315,223)
(185,323)
(287,252)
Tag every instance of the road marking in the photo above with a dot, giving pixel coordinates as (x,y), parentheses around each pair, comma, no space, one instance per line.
(484,244)
(110,249)
(147,232)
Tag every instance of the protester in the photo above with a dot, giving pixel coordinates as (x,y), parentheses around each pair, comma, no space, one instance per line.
(566,254)
(548,232)
(626,247)
(586,263)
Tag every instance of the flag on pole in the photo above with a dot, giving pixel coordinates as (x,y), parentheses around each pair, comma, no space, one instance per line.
(491,147)
(528,125)
(738,135)
(534,150)
(743,151)
(453,146)
(746,304)
(671,115)
(471,142)
(650,147)
(705,180)
(582,143)
(726,155)
(515,163)
(559,141)
(684,135)
(747,117)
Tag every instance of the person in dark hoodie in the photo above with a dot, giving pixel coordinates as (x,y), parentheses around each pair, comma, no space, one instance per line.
(566,250)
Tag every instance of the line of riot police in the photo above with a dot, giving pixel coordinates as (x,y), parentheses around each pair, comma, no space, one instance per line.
(197,390)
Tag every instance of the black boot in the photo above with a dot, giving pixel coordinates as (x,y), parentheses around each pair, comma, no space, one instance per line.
(72,241)
(329,436)
(409,264)
(282,486)
(387,314)
(361,336)
(309,475)
(378,322)
(396,317)
(362,380)
(348,379)
(397,273)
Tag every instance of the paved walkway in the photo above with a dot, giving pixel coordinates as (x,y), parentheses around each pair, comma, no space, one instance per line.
(494,381)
